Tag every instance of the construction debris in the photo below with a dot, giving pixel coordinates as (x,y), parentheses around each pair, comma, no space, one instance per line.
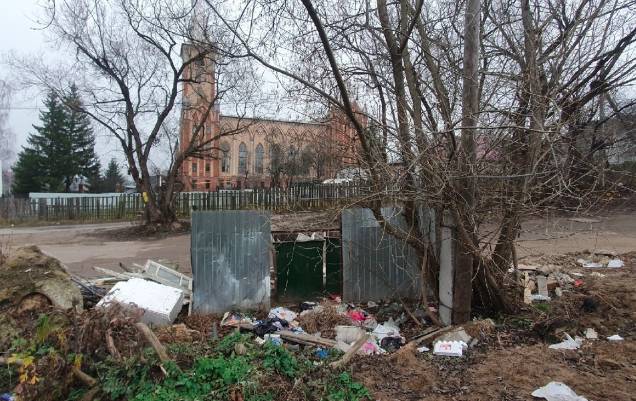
(152,270)
(160,303)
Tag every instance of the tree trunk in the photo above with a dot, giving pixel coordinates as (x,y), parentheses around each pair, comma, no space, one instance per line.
(462,283)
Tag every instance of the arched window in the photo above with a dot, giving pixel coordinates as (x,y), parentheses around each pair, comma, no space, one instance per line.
(225,157)
(258,161)
(242,158)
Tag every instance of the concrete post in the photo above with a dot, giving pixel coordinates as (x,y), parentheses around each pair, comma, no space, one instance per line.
(447,262)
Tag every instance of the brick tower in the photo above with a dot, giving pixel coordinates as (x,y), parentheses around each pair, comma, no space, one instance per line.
(199,91)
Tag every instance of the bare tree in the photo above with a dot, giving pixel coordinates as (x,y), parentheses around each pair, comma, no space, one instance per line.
(132,60)
(6,135)
(482,106)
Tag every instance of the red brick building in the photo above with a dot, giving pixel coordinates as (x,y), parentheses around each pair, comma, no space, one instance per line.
(260,152)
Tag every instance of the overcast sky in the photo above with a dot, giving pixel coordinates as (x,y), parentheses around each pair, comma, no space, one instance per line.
(19,34)
(17,23)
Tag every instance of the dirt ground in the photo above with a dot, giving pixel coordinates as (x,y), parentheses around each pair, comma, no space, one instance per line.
(80,247)
(515,360)
(506,364)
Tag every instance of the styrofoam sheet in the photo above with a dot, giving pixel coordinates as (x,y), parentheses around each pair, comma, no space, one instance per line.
(161,303)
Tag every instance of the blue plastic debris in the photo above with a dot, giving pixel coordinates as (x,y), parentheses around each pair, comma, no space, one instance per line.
(322,353)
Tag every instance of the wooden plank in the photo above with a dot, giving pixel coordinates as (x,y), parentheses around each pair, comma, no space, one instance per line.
(350,352)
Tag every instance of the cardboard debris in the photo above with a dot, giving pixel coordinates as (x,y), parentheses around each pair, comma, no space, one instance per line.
(161,304)
(557,391)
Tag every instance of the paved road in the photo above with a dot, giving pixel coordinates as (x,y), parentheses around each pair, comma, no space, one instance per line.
(75,228)
(80,249)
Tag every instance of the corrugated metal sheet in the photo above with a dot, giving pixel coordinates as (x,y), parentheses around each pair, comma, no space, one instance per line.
(230,260)
(375,264)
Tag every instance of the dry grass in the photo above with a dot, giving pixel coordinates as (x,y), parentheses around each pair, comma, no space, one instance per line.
(323,321)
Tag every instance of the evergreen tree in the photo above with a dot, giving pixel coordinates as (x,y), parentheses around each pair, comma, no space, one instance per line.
(26,177)
(61,148)
(112,177)
(37,168)
(83,160)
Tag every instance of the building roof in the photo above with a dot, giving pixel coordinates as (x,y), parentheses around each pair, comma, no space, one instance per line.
(273,120)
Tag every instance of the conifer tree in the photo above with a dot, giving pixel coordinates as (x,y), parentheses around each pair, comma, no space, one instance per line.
(38,167)
(61,148)
(112,177)
(82,160)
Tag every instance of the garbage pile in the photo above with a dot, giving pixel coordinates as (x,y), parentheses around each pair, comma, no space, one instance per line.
(600,259)
(329,323)
(542,282)
(348,328)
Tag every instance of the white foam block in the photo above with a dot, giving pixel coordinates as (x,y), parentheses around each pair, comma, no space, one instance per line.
(448,348)
(161,303)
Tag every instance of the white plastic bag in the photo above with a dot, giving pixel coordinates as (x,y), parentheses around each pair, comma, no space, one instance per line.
(557,391)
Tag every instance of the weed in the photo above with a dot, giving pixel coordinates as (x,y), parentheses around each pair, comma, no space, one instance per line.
(344,388)
(229,370)
(228,342)
(543,307)
(279,359)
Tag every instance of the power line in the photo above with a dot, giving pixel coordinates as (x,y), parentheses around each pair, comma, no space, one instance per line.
(19,108)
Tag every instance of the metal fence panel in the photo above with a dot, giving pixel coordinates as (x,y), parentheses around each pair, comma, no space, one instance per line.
(375,264)
(231,258)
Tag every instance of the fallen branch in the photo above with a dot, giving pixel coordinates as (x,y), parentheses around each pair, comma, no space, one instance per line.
(110,345)
(306,339)
(350,352)
(432,335)
(152,339)
(90,394)
(88,380)
(297,338)
(6,361)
